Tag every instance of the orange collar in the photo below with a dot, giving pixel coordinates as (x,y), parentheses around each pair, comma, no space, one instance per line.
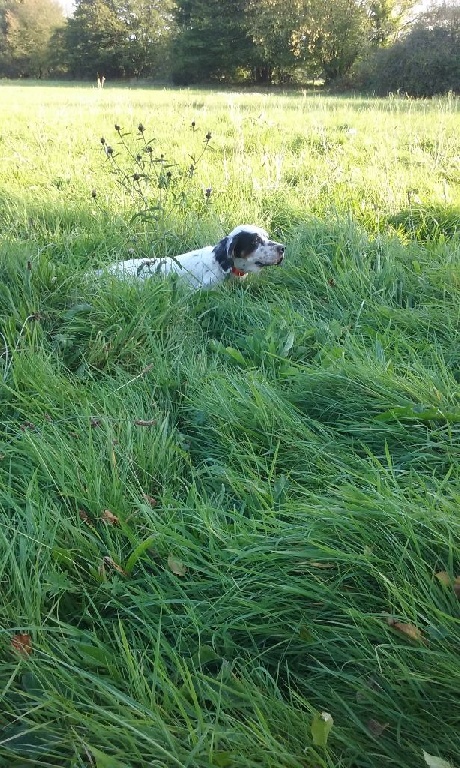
(238,272)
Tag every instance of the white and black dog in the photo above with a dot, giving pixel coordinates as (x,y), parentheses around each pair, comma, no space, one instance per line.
(246,249)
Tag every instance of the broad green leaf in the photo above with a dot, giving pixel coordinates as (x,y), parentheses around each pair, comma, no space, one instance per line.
(236,355)
(77,309)
(288,344)
(137,553)
(105,761)
(223,759)
(176,566)
(321,728)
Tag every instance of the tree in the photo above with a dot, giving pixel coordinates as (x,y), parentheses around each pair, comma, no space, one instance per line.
(271,24)
(148,29)
(422,62)
(58,59)
(333,34)
(119,38)
(95,39)
(212,40)
(26,27)
(387,17)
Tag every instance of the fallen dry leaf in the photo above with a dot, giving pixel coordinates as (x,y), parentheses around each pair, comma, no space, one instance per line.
(108,517)
(22,644)
(176,566)
(108,562)
(84,516)
(444,578)
(149,499)
(406,629)
(145,422)
(456,586)
(375,728)
(436,762)
(448,581)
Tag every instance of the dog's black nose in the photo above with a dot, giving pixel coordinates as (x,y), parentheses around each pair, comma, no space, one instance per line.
(280,249)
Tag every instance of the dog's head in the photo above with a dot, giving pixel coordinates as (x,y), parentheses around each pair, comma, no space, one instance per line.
(248,249)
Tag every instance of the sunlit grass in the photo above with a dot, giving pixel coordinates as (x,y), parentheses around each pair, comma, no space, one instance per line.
(226,512)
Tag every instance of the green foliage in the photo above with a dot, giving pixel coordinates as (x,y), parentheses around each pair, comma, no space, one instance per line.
(158,184)
(236,40)
(229,526)
(25,32)
(148,30)
(424,62)
(95,39)
(332,35)
(118,40)
(271,24)
(427,223)
(212,41)
(386,18)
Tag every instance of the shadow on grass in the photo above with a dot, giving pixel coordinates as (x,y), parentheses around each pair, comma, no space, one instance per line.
(426,224)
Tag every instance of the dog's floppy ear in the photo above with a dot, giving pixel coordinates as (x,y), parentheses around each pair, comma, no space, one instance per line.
(241,244)
(223,252)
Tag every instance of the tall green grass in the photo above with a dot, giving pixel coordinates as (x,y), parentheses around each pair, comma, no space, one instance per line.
(227,512)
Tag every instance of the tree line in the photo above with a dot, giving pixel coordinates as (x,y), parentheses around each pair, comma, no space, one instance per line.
(373,44)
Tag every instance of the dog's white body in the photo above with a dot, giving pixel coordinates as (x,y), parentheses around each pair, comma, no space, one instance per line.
(197,268)
(246,249)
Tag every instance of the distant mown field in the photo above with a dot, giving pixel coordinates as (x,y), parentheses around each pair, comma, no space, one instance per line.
(229,520)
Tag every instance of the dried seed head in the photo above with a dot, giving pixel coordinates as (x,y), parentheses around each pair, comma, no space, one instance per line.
(149,149)
(26,425)
(117,128)
(136,176)
(208,192)
(102,141)
(109,149)
(140,128)
(93,193)
(208,136)
(138,158)
(193,124)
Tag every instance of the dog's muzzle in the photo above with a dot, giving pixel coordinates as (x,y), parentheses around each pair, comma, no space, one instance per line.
(280,250)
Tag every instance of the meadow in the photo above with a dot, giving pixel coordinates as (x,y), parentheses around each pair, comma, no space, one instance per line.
(230,530)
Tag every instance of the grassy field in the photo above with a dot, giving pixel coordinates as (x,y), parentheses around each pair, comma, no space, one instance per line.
(224,514)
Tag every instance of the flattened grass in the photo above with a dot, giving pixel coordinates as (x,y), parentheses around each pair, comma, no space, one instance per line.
(222,513)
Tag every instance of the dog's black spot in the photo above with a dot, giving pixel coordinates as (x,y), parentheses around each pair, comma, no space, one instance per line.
(244,243)
(223,257)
